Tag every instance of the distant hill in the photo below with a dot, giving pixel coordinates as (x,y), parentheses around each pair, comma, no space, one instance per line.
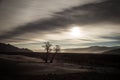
(92,49)
(114,52)
(11,48)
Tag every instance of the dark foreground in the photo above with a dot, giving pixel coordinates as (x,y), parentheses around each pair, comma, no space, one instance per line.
(72,76)
(66,67)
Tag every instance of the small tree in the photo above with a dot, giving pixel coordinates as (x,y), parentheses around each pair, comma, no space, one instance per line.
(57,50)
(47,46)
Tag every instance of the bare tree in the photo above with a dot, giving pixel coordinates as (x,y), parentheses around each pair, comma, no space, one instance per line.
(57,50)
(47,46)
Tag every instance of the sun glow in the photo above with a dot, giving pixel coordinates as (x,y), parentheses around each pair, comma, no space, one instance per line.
(75,32)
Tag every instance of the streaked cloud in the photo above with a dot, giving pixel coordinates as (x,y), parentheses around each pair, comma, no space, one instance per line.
(52,20)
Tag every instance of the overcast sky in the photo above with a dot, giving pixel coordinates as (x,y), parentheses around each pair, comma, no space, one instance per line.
(28,23)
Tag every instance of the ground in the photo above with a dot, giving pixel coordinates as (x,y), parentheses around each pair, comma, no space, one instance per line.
(32,68)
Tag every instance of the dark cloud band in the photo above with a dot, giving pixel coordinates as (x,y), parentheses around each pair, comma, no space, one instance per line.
(107,11)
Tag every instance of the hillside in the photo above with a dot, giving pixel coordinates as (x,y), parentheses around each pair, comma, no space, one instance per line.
(92,49)
(114,52)
(11,48)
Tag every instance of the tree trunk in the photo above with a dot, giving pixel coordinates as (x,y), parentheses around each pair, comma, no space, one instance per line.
(51,61)
(47,55)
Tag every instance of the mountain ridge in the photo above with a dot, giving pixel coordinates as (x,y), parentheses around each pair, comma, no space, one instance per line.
(114,51)
(10,48)
(91,49)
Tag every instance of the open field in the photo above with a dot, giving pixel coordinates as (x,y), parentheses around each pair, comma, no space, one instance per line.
(69,66)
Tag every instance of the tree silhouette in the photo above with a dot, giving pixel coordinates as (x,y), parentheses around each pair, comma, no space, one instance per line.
(47,46)
(56,49)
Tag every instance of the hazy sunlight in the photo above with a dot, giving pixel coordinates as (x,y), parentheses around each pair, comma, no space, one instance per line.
(75,32)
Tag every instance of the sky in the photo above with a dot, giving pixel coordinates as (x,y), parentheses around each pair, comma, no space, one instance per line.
(68,23)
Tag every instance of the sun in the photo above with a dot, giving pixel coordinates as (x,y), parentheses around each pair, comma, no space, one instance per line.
(75,32)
